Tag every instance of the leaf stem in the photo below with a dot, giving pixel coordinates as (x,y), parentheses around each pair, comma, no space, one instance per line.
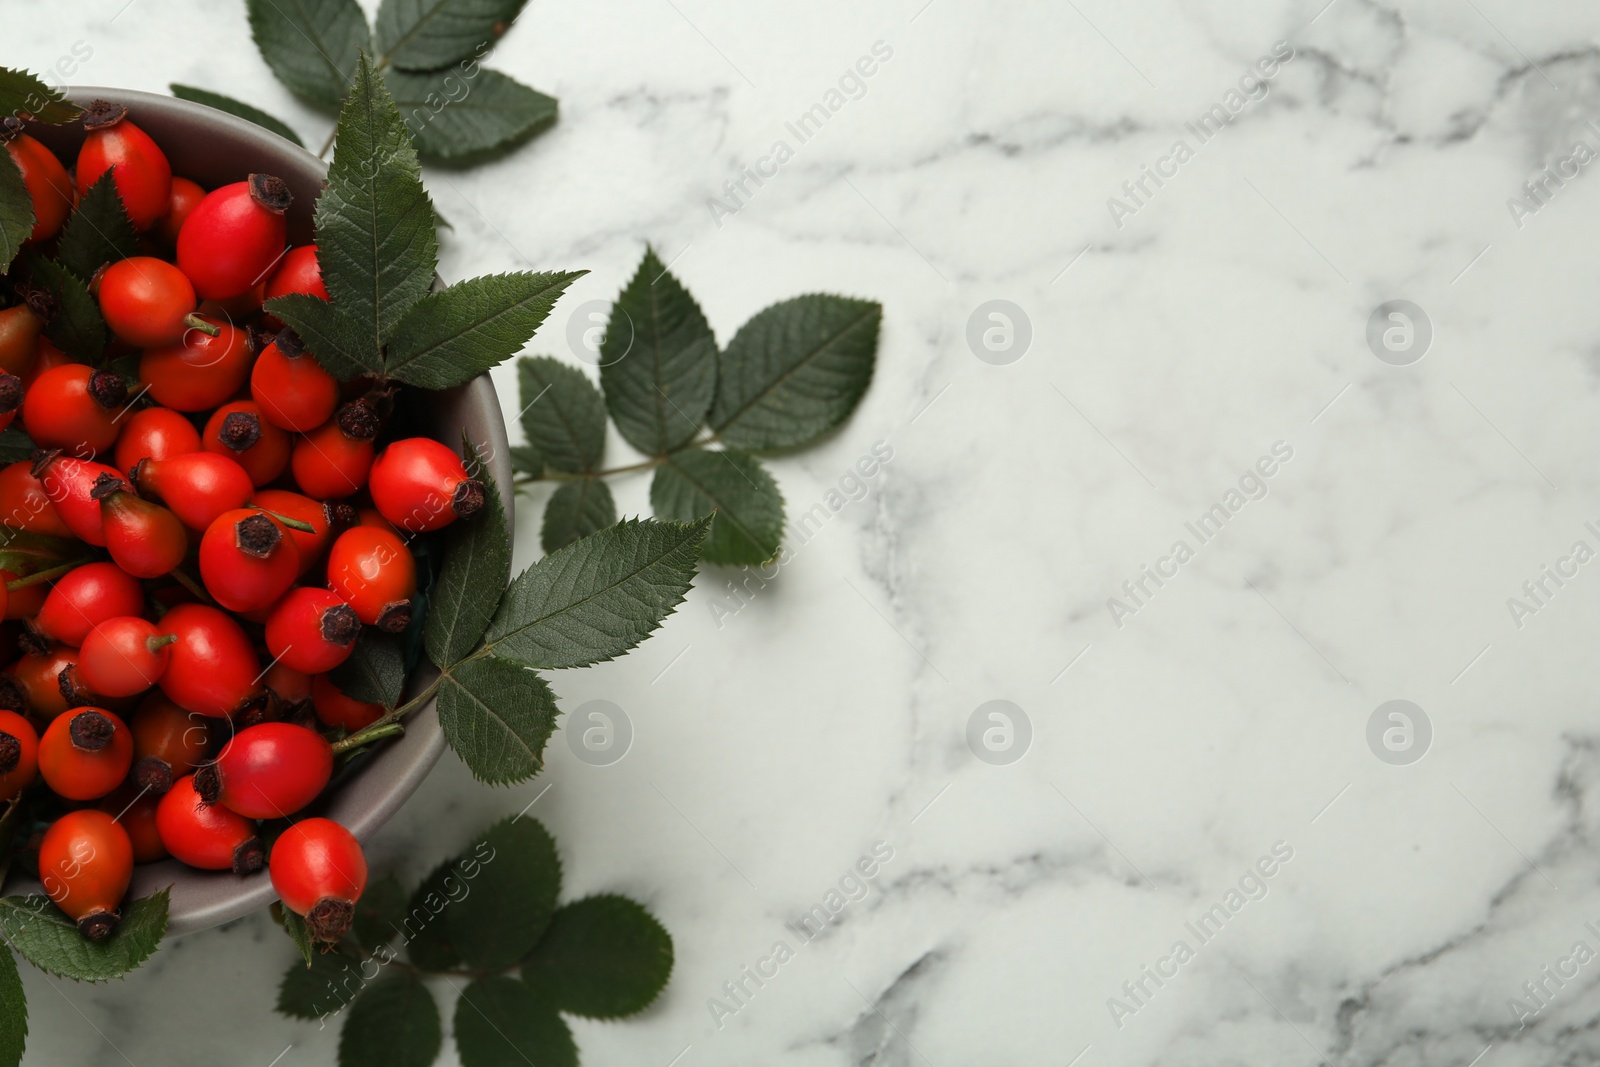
(649,464)
(376,732)
(45,575)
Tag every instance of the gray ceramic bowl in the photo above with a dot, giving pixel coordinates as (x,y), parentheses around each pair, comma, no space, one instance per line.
(214,148)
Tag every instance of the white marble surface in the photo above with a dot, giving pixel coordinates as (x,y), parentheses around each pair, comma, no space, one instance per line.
(1229,714)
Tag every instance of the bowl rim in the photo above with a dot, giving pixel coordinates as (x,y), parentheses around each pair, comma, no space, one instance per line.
(400,765)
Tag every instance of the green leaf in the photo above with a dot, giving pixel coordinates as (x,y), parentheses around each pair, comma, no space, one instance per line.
(311,45)
(323,987)
(13,1012)
(50,941)
(23,93)
(602,957)
(295,927)
(429,34)
(380,911)
(376,670)
(499,1023)
(513,894)
(77,327)
(562,413)
(795,371)
(457,118)
(329,334)
(658,361)
(451,337)
(749,509)
(527,459)
(576,510)
(393,1023)
(477,565)
(599,597)
(497,716)
(376,241)
(16,211)
(98,231)
(236,107)
(426,935)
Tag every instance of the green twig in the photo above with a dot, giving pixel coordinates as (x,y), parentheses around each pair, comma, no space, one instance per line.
(376,732)
(45,575)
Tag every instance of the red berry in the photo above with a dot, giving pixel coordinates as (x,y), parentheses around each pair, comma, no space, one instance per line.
(70,484)
(46,356)
(207,836)
(167,742)
(19,754)
(85,864)
(238,431)
(46,180)
(319,871)
(312,630)
(135,811)
(267,771)
(32,686)
(332,461)
(154,433)
(124,656)
(338,711)
(233,240)
(75,408)
(200,370)
(420,484)
(247,560)
(299,272)
(139,168)
(24,505)
(372,570)
(144,539)
(291,387)
(83,598)
(213,670)
(20,327)
(85,753)
(181,202)
(146,301)
(328,520)
(197,486)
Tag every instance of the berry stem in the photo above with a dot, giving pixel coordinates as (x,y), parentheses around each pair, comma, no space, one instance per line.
(293,524)
(195,322)
(45,575)
(376,732)
(183,579)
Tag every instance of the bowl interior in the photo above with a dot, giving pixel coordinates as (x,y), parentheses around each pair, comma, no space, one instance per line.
(215,148)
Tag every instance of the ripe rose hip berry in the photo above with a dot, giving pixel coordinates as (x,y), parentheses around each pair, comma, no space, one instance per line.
(49,188)
(201,369)
(140,169)
(312,630)
(239,431)
(19,754)
(290,386)
(135,811)
(372,570)
(83,598)
(207,836)
(339,711)
(124,656)
(85,865)
(20,327)
(181,202)
(213,670)
(328,519)
(267,771)
(147,302)
(299,272)
(32,685)
(24,505)
(234,238)
(331,462)
(319,871)
(247,559)
(167,742)
(144,539)
(70,485)
(420,484)
(196,486)
(75,408)
(85,753)
(154,433)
